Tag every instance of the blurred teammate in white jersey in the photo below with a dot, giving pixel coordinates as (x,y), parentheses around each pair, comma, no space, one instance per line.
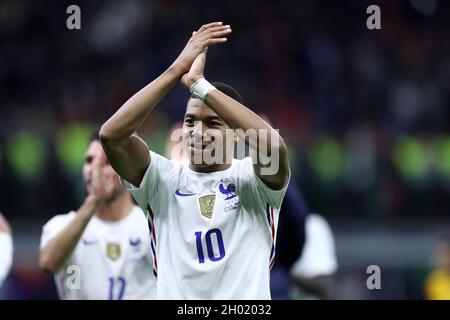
(6,248)
(101,251)
(213,222)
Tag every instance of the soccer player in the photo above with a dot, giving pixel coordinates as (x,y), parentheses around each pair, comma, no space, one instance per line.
(213,222)
(6,248)
(102,251)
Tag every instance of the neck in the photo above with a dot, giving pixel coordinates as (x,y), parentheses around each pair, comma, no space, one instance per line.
(117,209)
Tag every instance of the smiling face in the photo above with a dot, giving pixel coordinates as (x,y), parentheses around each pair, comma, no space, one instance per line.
(205,138)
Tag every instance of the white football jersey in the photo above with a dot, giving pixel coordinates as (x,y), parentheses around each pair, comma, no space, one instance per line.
(213,234)
(6,255)
(111,261)
(319,253)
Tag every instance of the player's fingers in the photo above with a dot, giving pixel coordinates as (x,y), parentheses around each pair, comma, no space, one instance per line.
(206,26)
(200,36)
(212,29)
(211,42)
(216,34)
(219,31)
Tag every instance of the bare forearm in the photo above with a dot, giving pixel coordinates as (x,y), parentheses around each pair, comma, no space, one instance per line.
(267,143)
(59,249)
(133,113)
(128,154)
(238,116)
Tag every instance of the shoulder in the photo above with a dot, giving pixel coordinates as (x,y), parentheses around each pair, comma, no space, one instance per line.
(161,161)
(161,170)
(54,226)
(316,224)
(60,219)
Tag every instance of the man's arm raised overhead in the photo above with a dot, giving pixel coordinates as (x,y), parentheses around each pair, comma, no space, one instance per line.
(127,153)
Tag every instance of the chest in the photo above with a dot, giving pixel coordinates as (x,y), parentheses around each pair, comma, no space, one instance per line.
(112,248)
(206,201)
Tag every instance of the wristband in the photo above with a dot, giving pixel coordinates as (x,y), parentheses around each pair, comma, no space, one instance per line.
(201,88)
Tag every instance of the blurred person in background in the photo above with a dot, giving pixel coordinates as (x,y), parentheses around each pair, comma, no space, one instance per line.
(437,286)
(314,271)
(106,238)
(6,248)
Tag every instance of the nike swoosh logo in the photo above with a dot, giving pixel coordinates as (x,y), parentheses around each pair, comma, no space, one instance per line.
(89,242)
(135,242)
(178,193)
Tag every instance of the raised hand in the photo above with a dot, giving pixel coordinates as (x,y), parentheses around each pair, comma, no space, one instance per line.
(208,35)
(196,70)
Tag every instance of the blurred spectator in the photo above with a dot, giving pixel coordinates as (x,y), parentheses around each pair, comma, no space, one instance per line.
(437,285)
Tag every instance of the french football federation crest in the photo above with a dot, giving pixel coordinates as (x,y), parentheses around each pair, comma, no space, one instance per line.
(207,205)
(229,191)
(113,250)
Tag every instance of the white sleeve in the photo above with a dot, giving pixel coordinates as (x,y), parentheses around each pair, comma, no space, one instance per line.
(155,176)
(6,255)
(54,226)
(273,197)
(319,255)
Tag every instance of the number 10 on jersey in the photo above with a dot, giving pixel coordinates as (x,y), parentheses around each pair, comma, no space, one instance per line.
(213,254)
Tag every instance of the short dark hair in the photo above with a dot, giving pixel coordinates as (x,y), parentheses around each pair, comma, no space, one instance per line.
(228,90)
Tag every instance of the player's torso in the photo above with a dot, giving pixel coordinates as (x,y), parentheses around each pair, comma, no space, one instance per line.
(114,261)
(214,234)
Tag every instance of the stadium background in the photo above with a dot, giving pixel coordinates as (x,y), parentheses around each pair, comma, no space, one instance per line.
(365,114)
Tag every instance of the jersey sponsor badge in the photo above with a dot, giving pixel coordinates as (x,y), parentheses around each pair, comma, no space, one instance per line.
(207,205)
(113,250)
